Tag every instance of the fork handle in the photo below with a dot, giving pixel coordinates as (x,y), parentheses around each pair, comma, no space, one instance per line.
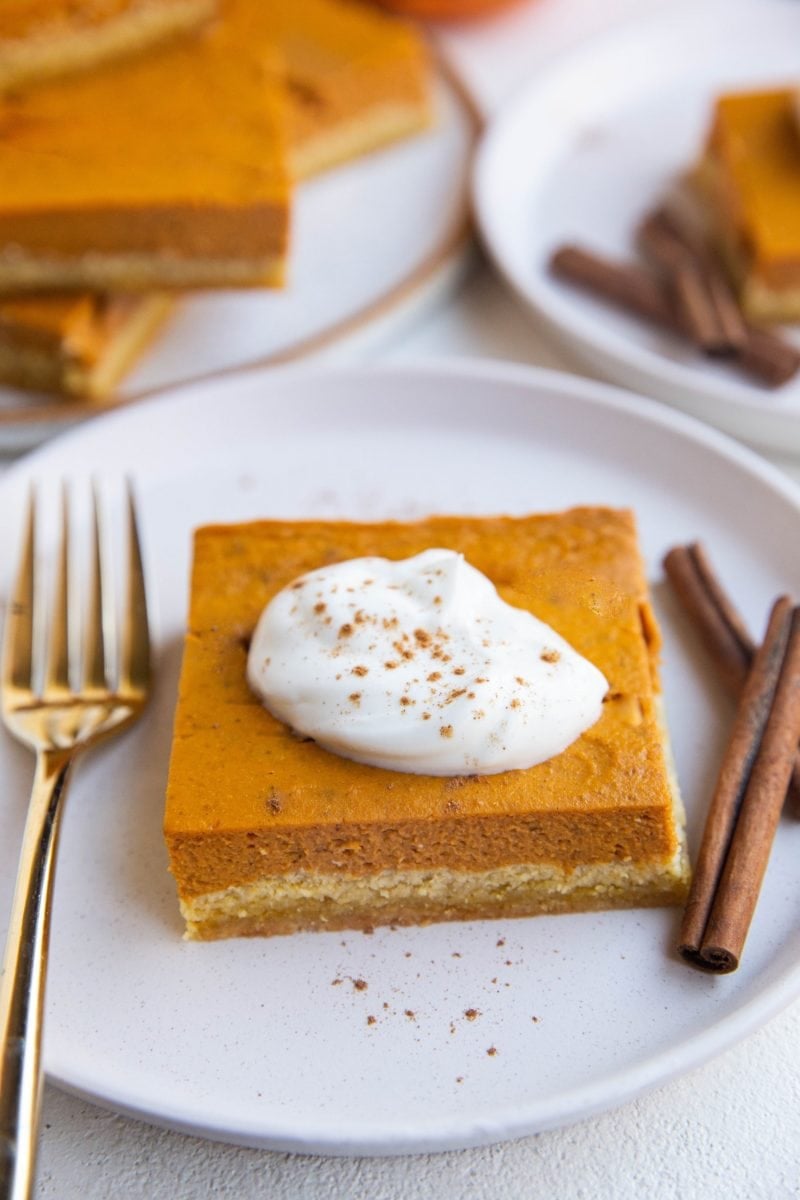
(23,981)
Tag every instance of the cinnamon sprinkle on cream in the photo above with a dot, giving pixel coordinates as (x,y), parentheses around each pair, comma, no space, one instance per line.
(434,660)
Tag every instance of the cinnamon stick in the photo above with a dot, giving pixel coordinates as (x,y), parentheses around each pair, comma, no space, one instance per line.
(703,295)
(624,284)
(763,355)
(768,357)
(719,625)
(747,801)
(721,628)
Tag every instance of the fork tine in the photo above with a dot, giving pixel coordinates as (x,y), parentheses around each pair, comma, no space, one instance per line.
(135,657)
(94,658)
(57,673)
(17,669)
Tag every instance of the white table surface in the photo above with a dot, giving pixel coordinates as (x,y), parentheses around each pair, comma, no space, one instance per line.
(730,1129)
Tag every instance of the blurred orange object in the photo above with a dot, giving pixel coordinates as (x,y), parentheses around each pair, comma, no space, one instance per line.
(447,10)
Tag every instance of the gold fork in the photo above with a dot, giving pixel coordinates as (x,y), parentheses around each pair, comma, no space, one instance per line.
(75,705)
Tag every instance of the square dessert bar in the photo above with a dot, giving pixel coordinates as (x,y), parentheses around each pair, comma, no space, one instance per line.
(268,833)
(357,79)
(749,181)
(79,344)
(164,170)
(42,38)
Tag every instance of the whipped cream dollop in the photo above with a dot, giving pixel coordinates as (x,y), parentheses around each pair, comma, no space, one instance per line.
(418,665)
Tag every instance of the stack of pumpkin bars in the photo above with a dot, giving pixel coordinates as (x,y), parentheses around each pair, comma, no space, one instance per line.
(152,146)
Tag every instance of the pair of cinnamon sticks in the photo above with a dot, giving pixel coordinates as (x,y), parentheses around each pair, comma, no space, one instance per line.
(760,765)
(702,297)
(688,294)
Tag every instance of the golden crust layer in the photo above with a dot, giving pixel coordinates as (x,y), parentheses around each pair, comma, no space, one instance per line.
(138,272)
(248,801)
(293,903)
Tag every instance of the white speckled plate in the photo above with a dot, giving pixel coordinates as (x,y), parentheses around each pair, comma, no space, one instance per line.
(269,1042)
(589,146)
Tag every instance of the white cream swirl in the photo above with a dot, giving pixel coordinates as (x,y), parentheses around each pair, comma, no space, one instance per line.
(420,666)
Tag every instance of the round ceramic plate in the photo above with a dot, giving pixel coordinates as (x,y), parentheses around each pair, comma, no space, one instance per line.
(374,243)
(269,1042)
(589,146)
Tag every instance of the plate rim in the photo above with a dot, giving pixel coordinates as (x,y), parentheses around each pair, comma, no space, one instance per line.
(573,1104)
(626,363)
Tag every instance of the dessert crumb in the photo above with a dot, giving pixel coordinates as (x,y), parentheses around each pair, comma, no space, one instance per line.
(492,1051)
(372,1020)
(412,1016)
(472,1013)
(360,985)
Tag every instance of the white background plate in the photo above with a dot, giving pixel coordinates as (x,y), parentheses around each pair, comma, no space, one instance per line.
(252,1040)
(590,145)
(372,242)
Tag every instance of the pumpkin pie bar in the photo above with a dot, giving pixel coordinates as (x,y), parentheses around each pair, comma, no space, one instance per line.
(42,38)
(79,345)
(168,169)
(357,78)
(268,833)
(749,181)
